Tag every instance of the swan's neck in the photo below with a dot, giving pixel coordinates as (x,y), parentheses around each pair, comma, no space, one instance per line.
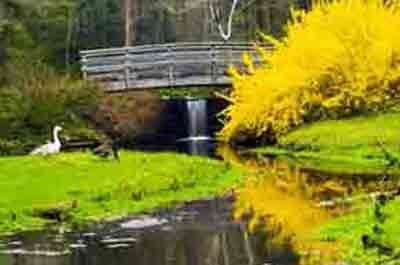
(55,137)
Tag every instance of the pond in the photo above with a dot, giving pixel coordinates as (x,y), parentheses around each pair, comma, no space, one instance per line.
(201,232)
(265,220)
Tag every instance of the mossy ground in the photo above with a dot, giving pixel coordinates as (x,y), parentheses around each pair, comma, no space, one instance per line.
(87,187)
(344,146)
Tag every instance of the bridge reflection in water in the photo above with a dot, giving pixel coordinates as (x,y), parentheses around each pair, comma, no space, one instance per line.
(165,65)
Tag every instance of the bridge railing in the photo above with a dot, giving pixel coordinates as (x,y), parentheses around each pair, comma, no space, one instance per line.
(164,65)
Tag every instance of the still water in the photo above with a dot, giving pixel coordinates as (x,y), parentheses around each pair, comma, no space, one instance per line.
(266,220)
(200,232)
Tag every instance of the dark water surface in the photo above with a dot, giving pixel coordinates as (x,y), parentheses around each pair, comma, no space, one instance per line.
(200,232)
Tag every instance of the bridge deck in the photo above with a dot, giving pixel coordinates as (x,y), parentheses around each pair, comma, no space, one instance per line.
(164,65)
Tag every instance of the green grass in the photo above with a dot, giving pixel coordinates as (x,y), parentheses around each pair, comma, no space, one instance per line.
(348,145)
(348,230)
(103,188)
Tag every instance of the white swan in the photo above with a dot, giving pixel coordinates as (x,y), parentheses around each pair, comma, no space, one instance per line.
(51,147)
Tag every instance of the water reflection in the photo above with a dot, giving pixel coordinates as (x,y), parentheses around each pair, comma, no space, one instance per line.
(274,211)
(289,202)
(200,233)
(197,146)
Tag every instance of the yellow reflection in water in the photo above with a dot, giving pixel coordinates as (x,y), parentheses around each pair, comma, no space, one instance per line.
(281,203)
(284,201)
(289,203)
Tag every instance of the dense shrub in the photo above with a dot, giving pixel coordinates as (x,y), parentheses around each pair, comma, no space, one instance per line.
(341,58)
(128,116)
(36,100)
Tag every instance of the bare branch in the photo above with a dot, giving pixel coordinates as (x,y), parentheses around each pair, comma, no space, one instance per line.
(216,16)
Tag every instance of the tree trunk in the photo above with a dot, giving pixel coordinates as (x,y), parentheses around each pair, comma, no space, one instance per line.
(68,39)
(129,8)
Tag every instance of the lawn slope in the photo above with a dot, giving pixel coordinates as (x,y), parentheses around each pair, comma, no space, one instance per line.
(349,145)
(83,187)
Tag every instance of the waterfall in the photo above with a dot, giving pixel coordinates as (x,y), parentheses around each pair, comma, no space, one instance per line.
(198,141)
(197,118)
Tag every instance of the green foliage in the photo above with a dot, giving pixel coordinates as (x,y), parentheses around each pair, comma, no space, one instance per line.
(197,92)
(38,100)
(35,30)
(103,188)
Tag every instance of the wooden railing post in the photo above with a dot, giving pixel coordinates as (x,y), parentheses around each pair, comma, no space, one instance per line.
(127,74)
(213,63)
(84,62)
(230,57)
(171,65)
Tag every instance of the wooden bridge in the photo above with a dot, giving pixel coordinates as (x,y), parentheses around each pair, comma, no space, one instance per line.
(164,65)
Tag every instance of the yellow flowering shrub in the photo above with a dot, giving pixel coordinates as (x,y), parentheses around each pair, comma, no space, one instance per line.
(340,58)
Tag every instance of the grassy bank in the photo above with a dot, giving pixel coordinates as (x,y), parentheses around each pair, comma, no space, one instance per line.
(83,187)
(352,146)
(382,230)
(348,145)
